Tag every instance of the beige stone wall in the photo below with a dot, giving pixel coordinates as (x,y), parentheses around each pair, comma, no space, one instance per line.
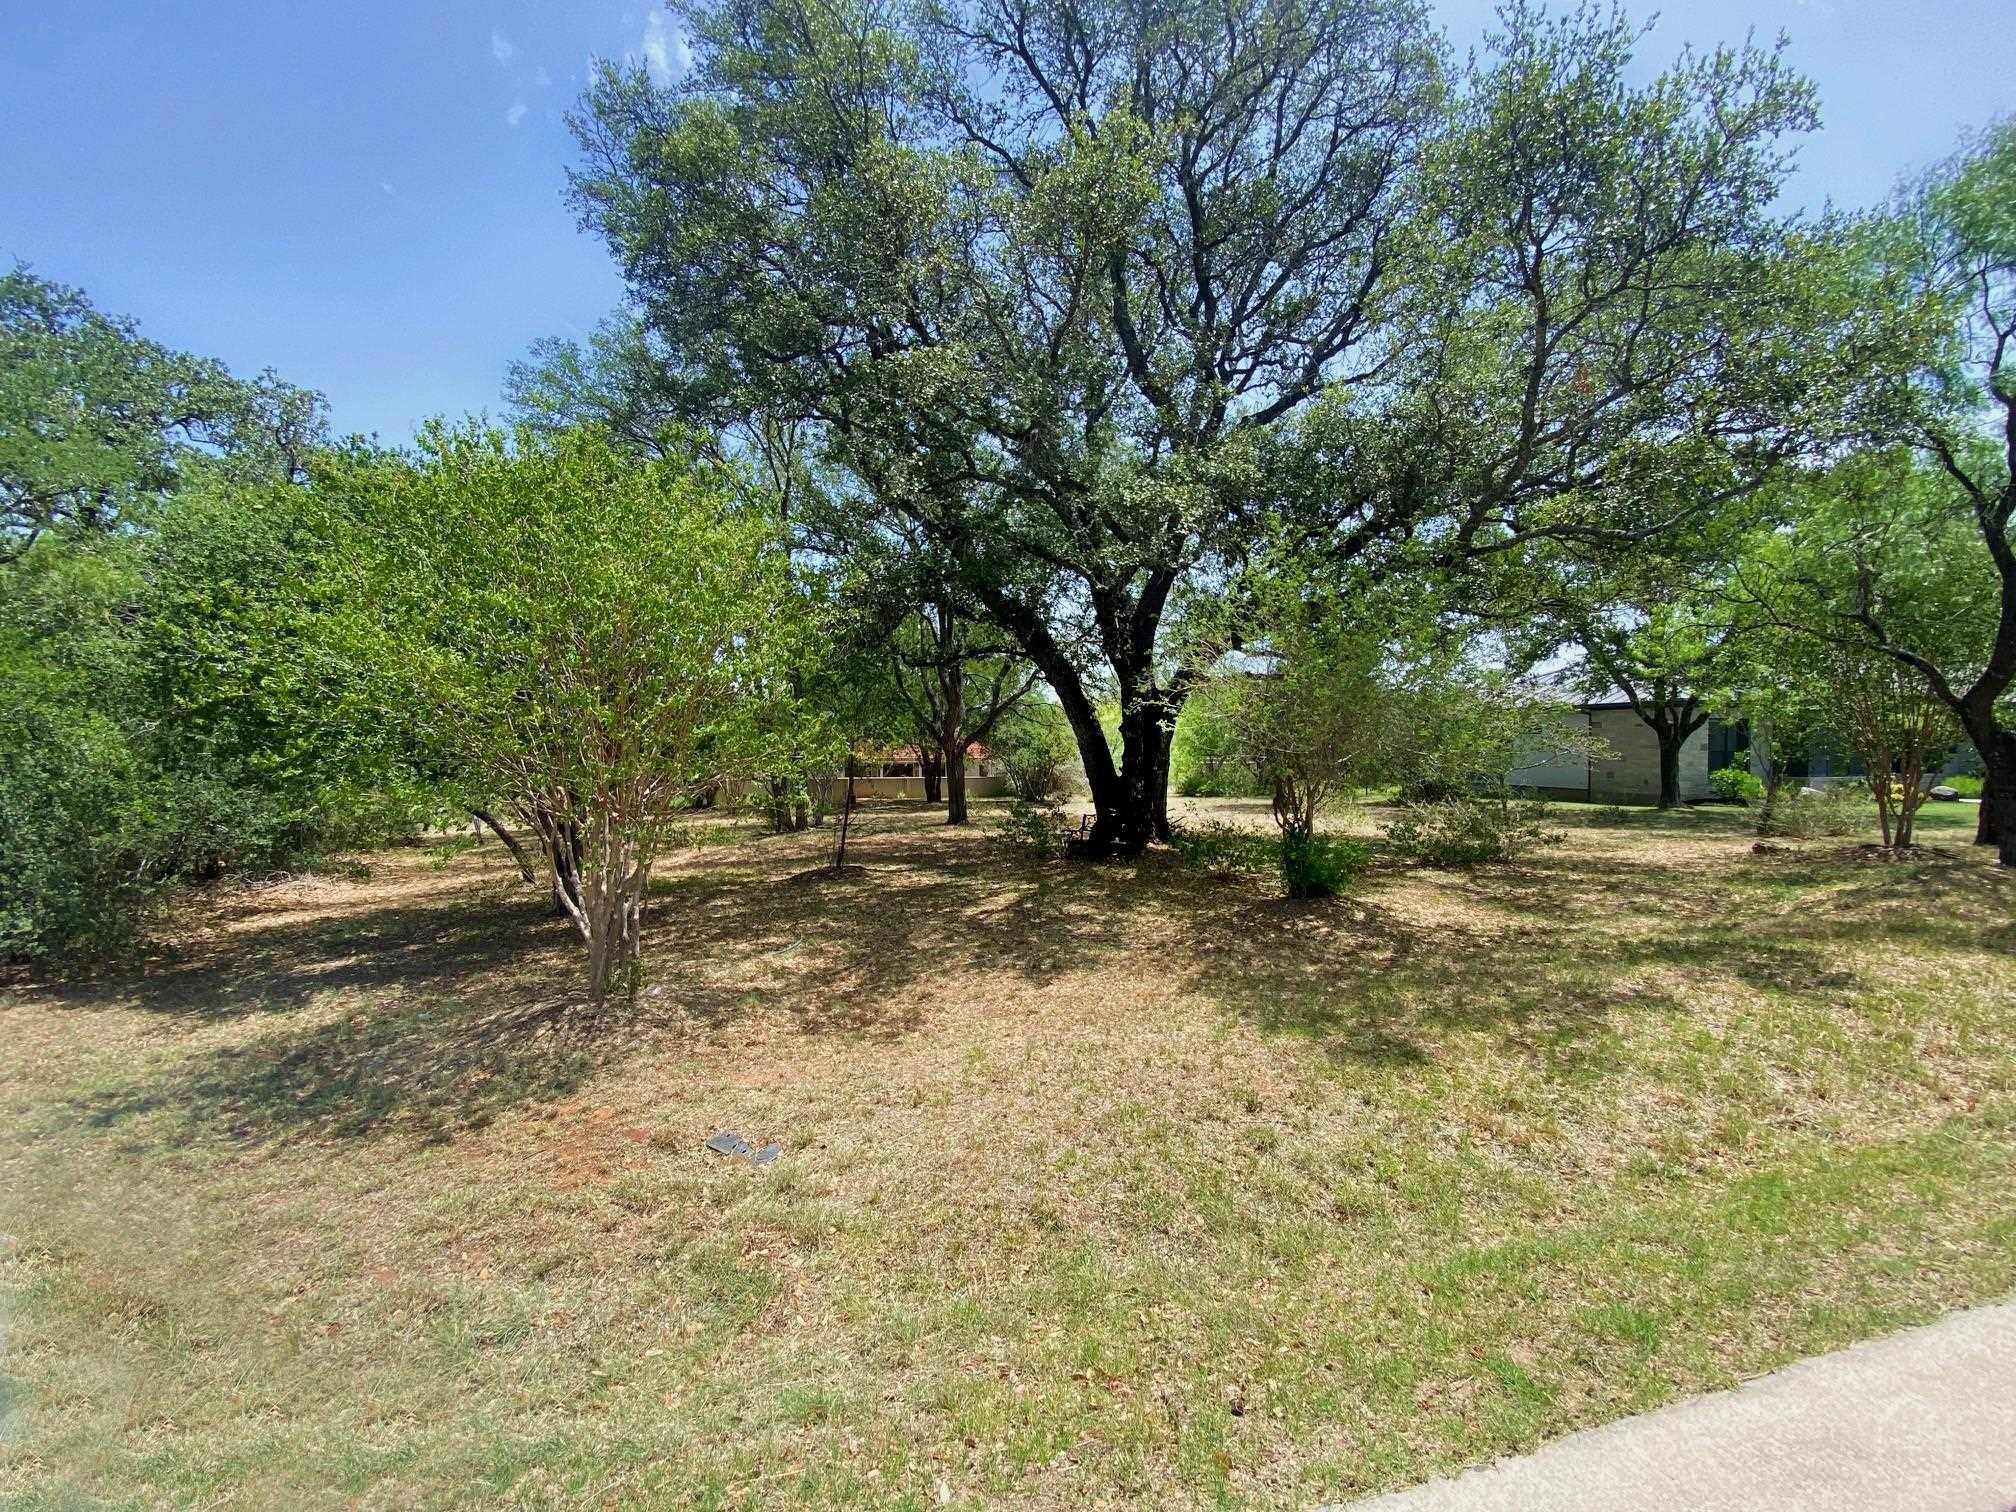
(900,787)
(913,787)
(1631,773)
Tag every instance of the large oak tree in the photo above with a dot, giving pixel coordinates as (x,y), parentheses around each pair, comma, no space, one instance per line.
(1956,249)
(1095,288)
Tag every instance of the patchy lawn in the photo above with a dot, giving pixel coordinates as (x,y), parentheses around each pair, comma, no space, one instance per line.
(1101,1186)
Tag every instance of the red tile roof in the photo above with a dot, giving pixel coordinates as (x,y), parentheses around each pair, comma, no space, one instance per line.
(909,752)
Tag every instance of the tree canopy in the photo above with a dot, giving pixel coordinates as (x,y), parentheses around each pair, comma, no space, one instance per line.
(1097,290)
(97,421)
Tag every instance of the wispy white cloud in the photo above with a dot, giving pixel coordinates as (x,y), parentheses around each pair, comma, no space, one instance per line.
(515,114)
(665,53)
(500,46)
(386,185)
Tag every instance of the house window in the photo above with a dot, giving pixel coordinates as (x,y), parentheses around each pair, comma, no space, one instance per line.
(1728,744)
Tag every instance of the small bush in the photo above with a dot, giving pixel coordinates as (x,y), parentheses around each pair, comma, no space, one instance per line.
(1320,866)
(1034,826)
(1966,784)
(1310,866)
(1223,849)
(1034,764)
(1432,789)
(1832,812)
(1735,784)
(1221,781)
(1469,831)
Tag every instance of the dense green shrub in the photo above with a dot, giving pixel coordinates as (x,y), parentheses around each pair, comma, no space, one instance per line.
(1836,812)
(171,710)
(1208,757)
(1320,866)
(1033,826)
(1469,831)
(1735,784)
(1033,747)
(1966,784)
(1224,849)
(1309,865)
(1432,788)
(76,875)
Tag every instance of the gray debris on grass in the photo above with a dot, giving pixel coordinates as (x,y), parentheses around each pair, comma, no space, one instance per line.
(728,1142)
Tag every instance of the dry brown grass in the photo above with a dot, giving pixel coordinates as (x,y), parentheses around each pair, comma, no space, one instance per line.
(1102,1184)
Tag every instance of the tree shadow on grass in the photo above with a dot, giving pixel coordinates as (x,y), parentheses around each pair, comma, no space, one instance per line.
(1379,991)
(435,1013)
(853,954)
(424,1072)
(1581,941)
(438,944)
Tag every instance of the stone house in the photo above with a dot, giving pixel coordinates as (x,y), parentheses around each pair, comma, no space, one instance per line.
(1630,772)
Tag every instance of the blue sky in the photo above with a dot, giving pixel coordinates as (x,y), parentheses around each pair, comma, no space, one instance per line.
(368,196)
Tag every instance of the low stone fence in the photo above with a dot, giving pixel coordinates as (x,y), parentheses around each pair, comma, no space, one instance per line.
(913,787)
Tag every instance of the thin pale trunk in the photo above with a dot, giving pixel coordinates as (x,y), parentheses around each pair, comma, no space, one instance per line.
(1165,738)
(1763,758)
(1910,794)
(1883,783)
(1295,814)
(612,905)
(846,818)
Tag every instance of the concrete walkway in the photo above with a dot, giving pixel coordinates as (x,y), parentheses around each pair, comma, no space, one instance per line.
(1923,1421)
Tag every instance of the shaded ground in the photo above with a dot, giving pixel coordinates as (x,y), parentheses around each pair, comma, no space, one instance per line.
(1101,1183)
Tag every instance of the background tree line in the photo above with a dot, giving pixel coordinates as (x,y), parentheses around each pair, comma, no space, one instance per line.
(993,371)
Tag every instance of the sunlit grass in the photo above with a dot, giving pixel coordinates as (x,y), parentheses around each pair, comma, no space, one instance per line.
(1100,1184)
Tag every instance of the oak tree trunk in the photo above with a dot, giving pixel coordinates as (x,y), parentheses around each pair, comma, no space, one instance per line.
(1997,823)
(1135,808)
(952,738)
(1127,799)
(1997,818)
(1670,742)
(955,783)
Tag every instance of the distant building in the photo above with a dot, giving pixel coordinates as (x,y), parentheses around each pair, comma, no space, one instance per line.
(1630,772)
(905,761)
